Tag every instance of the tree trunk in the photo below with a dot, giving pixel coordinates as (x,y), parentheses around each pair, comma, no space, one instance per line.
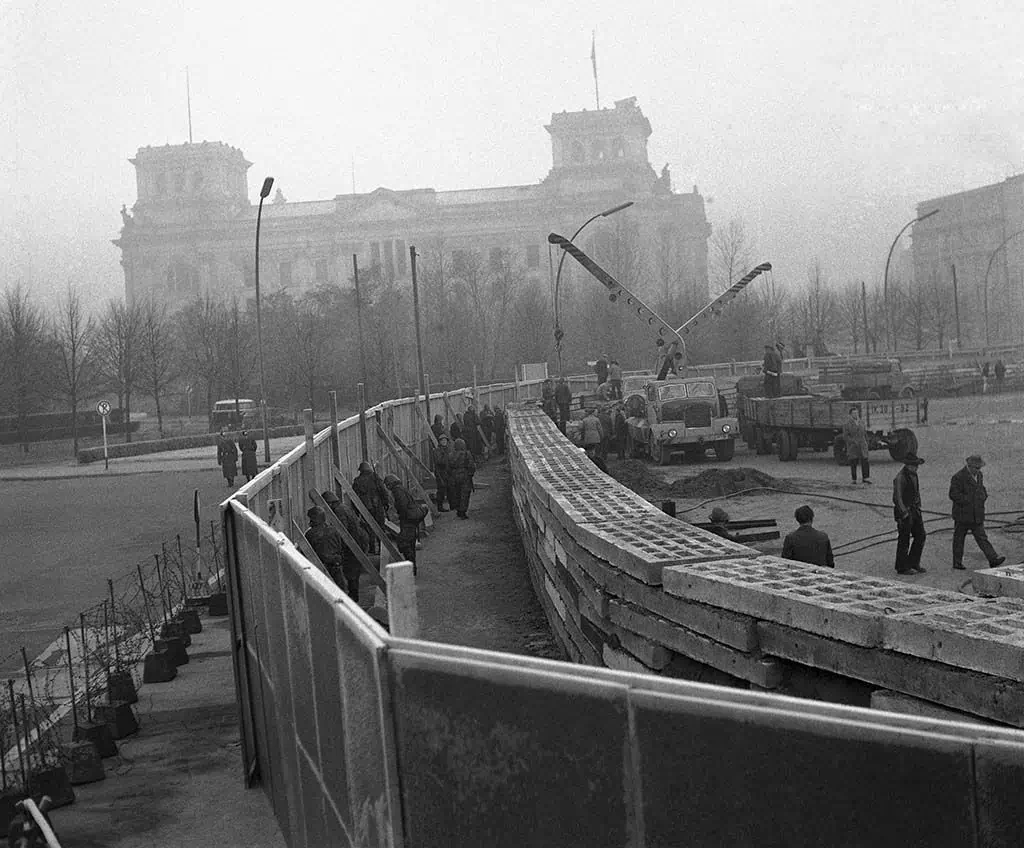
(127,416)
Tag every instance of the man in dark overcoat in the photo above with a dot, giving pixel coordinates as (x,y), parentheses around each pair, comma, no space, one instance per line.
(374,495)
(247,447)
(968,494)
(807,544)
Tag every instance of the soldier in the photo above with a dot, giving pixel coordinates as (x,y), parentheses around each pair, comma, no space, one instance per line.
(442,457)
(499,429)
(805,544)
(247,445)
(227,457)
(1000,374)
(547,399)
(328,545)
(563,397)
(410,513)
(906,508)
(456,427)
(593,435)
(470,432)
(437,428)
(374,495)
(968,494)
(350,565)
(462,468)
(487,424)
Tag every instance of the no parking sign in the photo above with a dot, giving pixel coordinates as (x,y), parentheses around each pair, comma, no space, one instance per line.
(103,408)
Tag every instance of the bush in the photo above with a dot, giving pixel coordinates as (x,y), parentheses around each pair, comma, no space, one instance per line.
(201,440)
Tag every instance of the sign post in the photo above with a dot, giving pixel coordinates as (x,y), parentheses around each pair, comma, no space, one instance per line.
(103,408)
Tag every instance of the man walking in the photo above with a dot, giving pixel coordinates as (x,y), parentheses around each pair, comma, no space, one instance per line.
(247,446)
(856,440)
(461,468)
(906,508)
(805,544)
(968,494)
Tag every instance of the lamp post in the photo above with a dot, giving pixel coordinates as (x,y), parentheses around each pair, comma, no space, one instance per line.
(558,275)
(1002,244)
(889,340)
(268,183)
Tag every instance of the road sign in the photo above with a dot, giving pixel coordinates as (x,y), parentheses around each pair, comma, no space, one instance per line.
(103,407)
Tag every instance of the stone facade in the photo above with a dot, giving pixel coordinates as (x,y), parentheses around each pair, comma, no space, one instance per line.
(981,232)
(191,230)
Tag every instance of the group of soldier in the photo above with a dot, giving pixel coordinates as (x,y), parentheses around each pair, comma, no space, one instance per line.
(227,456)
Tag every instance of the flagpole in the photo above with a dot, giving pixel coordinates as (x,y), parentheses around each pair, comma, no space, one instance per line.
(593,62)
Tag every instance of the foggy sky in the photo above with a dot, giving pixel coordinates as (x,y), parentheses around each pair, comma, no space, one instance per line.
(820,125)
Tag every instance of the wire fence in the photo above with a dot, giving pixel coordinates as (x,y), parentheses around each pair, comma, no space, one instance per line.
(95,661)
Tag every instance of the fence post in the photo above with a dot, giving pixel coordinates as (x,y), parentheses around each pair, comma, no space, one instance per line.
(403,615)
(363,447)
(335,446)
(308,466)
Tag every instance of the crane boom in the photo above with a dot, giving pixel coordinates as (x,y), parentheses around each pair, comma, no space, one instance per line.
(714,308)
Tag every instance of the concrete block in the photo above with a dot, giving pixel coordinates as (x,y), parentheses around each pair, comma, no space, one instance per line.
(984,695)
(652,654)
(998,776)
(589,507)
(897,702)
(622,661)
(717,773)
(982,635)
(556,600)
(765,672)
(830,603)
(1004,582)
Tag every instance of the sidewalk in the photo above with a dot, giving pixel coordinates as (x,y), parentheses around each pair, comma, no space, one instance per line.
(177,783)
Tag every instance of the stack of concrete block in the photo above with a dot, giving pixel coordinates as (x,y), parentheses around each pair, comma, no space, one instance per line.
(625,586)
(1005,582)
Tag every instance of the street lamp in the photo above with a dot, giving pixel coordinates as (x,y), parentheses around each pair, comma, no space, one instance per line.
(988,269)
(268,183)
(559,334)
(889,340)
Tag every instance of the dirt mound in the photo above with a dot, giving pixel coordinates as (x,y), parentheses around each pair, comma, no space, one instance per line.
(643,480)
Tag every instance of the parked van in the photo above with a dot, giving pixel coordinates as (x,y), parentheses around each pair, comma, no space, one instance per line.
(232,414)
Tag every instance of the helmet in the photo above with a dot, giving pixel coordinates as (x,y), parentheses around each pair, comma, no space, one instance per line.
(391,480)
(365,466)
(330,497)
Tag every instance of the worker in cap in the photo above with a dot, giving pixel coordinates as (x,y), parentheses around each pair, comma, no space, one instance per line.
(906,508)
(719,519)
(968,494)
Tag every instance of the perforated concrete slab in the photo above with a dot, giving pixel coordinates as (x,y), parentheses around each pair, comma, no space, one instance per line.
(1005,582)
(573,509)
(643,545)
(830,603)
(986,635)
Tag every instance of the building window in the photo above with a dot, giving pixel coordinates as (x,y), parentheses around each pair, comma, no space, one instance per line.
(533,256)
(285,269)
(181,277)
(577,153)
(320,270)
(400,253)
(597,151)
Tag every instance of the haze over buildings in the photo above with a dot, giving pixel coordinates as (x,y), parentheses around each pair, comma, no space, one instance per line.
(821,127)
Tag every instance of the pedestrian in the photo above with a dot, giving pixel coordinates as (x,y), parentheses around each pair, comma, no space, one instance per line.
(462,468)
(487,425)
(1000,370)
(806,544)
(547,399)
(247,447)
(772,368)
(855,439)
(968,494)
(563,398)
(374,495)
(906,508)
(615,378)
(437,428)
(441,457)
(471,421)
(351,568)
(499,429)
(601,368)
(719,519)
(593,434)
(410,513)
(328,544)
(984,377)
(227,457)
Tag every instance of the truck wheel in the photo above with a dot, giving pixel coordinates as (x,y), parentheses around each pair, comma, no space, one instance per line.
(764,442)
(665,456)
(725,450)
(874,396)
(907,392)
(903,442)
(839,451)
(786,446)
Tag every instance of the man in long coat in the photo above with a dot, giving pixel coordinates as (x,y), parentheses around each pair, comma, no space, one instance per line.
(374,495)
(441,456)
(227,458)
(462,468)
(968,494)
(856,441)
(772,368)
(247,446)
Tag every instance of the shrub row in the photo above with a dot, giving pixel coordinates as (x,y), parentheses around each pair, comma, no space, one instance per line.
(200,440)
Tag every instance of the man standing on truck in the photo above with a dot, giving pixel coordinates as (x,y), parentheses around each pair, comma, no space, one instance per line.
(772,368)
(906,508)
(563,397)
(856,441)
(968,494)
(601,368)
(615,378)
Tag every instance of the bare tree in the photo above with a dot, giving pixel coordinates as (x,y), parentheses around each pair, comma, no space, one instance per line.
(817,311)
(731,254)
(118,353)
(850,314)
(23,340)
(202,327)
(73,334)
(939,297)
(157,352)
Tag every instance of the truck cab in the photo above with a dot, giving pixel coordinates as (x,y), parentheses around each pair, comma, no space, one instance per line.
(679,416)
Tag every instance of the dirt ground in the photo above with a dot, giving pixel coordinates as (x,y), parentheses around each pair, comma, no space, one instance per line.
(858,518)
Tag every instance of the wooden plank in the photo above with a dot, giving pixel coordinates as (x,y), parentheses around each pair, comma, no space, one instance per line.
(423,418)
(357,502)
(307,549)
(409,451)
(353,545)
(413,481)
(403,614)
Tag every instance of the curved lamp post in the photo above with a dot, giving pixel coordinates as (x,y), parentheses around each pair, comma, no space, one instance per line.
(268,183)
(1003,244)
(889,340)
(559,334)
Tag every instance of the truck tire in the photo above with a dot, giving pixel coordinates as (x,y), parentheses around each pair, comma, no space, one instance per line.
(903,442)
(764,442)
(665,455)
(874,396)
(787,446)
(907,392)
(725,450)
(839,450)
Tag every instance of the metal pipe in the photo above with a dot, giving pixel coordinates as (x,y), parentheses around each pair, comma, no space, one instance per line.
(890,343)
(988,269)
(359,318)
(267,184)
(416,321)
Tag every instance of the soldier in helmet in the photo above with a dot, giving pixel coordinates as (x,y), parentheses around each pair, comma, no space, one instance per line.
(410,513)
(374,495)
(328,544)
(349,562)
